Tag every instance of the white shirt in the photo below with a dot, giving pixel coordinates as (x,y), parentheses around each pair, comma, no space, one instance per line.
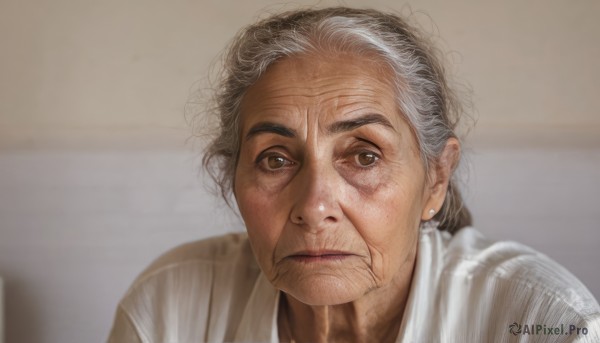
(465,289)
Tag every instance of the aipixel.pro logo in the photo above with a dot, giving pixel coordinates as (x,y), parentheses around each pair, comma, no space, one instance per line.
(543,329)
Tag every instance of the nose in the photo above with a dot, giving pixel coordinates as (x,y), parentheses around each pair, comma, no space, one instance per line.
(316,204)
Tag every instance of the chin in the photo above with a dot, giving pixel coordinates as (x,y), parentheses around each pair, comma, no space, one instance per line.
(324,291)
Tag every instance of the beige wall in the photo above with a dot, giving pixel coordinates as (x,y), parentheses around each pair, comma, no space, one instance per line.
(109,68)
(96,177)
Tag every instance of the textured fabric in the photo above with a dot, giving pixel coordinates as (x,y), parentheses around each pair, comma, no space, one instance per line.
(465,289)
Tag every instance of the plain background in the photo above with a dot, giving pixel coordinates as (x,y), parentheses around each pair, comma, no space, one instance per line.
(98,177)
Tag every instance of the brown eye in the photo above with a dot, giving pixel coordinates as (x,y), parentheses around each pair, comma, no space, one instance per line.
(366,159)
(273,161)
(276,162)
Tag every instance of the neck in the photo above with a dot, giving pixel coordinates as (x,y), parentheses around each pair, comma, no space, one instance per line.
(375,317)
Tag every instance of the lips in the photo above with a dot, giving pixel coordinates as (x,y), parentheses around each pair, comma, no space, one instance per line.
(320,256)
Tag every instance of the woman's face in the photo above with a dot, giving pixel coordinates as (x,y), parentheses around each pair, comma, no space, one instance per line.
(329,180)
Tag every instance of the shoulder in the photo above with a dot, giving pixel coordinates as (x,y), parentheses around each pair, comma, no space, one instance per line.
(507,282)
(193,284)
(229,249)
(203,263)
(470,253)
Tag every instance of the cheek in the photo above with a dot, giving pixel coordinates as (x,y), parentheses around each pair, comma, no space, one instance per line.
(387,220)
(263,222)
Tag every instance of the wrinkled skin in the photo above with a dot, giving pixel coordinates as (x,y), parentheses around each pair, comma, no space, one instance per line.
(332,190)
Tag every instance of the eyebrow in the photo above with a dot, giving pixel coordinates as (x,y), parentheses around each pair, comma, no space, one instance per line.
(337,127)
(353,124)
(268,127)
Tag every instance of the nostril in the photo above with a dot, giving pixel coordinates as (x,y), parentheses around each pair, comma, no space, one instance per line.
(298,220)
(331,219)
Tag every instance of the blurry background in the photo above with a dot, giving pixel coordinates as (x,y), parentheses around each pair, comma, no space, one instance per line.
(97,177)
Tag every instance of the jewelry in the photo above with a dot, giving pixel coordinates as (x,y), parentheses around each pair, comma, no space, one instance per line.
(431,212)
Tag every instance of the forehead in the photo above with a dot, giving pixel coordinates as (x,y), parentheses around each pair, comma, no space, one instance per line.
(324,85)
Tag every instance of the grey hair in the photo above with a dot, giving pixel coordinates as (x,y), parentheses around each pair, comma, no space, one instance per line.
(423,95)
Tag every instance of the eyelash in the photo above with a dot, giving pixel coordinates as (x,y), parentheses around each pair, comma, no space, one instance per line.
(356,153)
(351,156)
(264,155)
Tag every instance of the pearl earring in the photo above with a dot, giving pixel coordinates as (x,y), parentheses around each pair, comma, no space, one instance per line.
(431,212)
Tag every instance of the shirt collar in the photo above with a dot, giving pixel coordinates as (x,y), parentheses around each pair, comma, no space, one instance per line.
(259,320)
(419,305)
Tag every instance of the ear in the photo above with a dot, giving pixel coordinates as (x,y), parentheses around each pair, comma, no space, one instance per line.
(439,177)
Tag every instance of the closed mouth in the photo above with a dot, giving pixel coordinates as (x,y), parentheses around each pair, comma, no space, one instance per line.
(319,256)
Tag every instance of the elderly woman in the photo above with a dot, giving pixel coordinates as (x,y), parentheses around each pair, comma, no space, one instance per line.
(337,141)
